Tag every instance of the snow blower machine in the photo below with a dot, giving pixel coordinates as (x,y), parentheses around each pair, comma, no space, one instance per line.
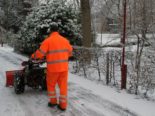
(33,75)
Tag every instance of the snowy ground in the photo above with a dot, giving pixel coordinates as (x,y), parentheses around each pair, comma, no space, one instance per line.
(86,98)
(114,39)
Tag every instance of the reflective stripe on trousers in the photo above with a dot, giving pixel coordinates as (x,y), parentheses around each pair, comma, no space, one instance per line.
(63,98)
(59,78)
(52,95)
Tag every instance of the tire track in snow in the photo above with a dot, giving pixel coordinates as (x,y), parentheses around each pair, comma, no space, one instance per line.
(72,110)
(81,101)
(29,111)
(85,98)
(13,61)
(1,76)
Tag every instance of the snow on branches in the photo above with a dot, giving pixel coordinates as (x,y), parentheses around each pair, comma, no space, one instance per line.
(38,22)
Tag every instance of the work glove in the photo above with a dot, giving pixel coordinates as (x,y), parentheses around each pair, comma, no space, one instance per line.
(32,56)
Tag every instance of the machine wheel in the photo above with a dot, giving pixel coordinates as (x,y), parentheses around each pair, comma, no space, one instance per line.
(43,84)
(19,85)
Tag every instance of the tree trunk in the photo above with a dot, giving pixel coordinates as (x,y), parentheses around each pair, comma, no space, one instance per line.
(86,23)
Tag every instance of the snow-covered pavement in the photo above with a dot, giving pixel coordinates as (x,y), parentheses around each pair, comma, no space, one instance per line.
(86,98)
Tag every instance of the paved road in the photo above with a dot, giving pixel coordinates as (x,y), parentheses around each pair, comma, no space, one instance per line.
(82,102)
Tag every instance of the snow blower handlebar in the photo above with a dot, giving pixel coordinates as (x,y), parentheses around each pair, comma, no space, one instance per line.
(33,62)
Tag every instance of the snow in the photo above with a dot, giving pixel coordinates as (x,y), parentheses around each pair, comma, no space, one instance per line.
(104,39)
(130,102)
(111,39)
(86,98)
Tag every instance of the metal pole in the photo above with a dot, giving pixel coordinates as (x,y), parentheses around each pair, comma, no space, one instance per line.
(124,66)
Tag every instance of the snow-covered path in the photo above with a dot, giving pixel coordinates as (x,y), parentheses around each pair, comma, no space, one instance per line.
(82,102)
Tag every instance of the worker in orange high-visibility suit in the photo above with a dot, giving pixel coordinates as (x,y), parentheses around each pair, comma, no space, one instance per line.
(57,50)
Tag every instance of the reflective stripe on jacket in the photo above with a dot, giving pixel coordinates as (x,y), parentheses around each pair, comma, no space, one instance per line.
(57,50)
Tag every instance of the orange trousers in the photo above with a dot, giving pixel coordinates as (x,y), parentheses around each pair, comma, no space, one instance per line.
(60,78)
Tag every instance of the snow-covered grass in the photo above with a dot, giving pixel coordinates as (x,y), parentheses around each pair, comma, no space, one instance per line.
(115,39)
(113,43)
(106,39)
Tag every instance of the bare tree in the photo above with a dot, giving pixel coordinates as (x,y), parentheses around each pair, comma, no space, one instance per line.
(141,22)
